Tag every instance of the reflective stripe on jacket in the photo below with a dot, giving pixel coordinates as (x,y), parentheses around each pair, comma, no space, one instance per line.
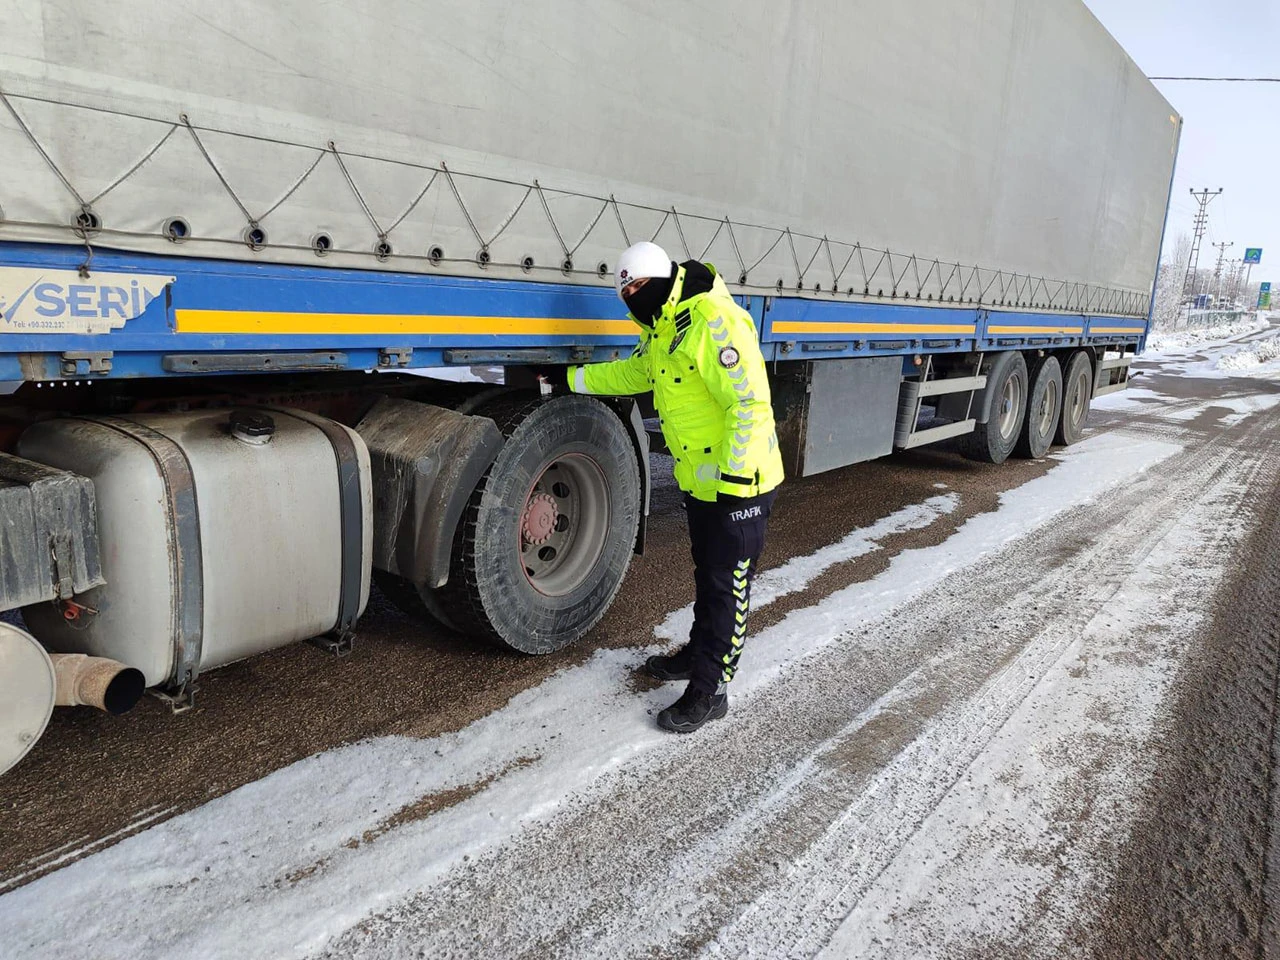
(702,361)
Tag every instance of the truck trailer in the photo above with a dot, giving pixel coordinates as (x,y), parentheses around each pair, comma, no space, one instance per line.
(232,235)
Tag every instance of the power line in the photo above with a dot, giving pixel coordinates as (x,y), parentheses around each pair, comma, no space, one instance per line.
(1223,79)
(1203,199)
(1217,272)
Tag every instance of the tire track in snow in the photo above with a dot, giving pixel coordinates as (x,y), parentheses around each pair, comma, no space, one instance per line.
(1195,877)
(796,917)
(1070,873)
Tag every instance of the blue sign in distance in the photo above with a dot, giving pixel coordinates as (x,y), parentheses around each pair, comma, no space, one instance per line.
(1252,254)
(1265,287)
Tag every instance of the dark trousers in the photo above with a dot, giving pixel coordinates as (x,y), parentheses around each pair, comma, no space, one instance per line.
(727,538)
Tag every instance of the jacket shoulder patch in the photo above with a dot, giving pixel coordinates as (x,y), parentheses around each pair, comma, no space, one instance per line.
(728,357)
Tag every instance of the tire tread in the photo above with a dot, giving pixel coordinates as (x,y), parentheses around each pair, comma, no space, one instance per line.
(462,597)
(1061,437)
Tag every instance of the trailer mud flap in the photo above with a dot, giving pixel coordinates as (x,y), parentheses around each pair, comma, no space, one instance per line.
(992,368)
(426,461)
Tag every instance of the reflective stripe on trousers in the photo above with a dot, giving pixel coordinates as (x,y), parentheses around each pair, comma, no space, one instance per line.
(727,538)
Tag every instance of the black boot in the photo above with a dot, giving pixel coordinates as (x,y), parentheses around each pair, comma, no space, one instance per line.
(678,666)
(692,710)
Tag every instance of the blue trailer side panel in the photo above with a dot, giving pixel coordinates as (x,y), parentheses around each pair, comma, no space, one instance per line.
(320,318)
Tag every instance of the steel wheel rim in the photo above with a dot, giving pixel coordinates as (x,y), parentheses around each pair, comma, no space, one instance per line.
(1048,406)
(1078,400)
(1010,406)
(557,561)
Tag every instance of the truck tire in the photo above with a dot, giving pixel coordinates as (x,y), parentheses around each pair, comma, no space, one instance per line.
(548,534)
(1077,394)
(1044,409)
(993,441)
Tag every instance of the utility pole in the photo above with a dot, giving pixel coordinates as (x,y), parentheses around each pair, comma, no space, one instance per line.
(1203,198)
(1217,271)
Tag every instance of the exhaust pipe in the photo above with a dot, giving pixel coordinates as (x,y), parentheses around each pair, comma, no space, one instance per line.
(96,682)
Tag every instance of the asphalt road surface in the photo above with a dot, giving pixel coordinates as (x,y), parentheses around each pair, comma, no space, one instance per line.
(1024,711)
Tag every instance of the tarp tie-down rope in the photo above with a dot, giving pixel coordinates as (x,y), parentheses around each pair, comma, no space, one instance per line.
(943,280)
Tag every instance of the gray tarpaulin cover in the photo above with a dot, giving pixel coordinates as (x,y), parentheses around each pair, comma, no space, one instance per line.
(784,140)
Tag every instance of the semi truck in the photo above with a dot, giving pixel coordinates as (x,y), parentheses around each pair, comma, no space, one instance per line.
(232,236)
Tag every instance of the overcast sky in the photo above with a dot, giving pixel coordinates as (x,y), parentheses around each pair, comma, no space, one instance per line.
(1231,131)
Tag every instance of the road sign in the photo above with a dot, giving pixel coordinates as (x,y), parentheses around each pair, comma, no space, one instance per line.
(1264,296)
(1252,254)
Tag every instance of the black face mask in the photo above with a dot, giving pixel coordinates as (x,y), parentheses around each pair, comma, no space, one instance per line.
(646,303)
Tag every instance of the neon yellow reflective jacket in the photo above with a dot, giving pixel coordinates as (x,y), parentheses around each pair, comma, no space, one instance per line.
(701,359)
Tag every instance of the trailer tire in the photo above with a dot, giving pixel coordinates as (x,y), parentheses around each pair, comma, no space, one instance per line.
(548,534)
(1077,394)
(994,440)
(1044,409)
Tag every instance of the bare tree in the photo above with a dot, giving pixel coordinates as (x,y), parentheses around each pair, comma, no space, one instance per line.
(1169,295)
(1179,256)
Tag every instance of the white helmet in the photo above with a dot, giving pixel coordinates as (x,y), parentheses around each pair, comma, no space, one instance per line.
(643,259)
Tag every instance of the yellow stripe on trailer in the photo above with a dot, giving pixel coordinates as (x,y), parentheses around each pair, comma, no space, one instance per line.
(267,322)
(1000,328)
(796,326)
(1116,329)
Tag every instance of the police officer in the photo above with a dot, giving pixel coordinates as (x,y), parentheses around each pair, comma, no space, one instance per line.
(699,354)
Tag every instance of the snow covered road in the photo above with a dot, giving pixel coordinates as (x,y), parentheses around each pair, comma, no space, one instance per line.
(949,723)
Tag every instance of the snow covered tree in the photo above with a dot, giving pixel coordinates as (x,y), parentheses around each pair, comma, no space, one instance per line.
(1169,293)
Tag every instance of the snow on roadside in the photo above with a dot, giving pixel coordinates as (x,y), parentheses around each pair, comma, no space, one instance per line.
(1131,399)
(1245,407)
(1254,355)
(1239,409)
(1084,472)
(798,572)
(278,867)
(1175,341)
(1246,349)
(85,845)
(1233,360)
